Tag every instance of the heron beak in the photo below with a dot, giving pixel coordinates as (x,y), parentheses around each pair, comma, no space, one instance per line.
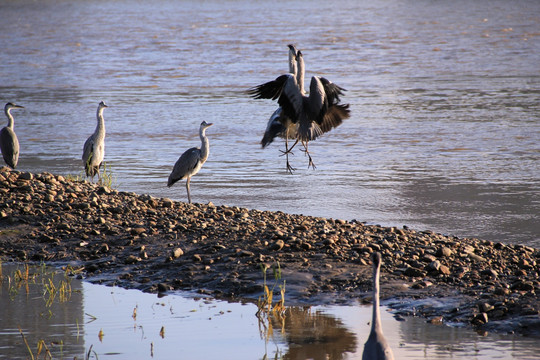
(18,107)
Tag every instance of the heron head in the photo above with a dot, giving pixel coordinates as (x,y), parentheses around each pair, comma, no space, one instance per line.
(205,125)
(10,106)
(103,105)
(376,258)
(292,48)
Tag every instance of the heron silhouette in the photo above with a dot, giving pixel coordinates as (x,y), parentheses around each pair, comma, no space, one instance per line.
(191,161)
(9,144)
(376,346)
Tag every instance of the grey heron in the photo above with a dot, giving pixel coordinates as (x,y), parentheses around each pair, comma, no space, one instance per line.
(191,161)
(314,114)
(279,124)
(94,146)
(376,346)
(9,144)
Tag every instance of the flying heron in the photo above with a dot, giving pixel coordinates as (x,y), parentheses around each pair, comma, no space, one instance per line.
(191,161)
(279,124)
(9,144)
(376,346)
(94,146)
(313,114)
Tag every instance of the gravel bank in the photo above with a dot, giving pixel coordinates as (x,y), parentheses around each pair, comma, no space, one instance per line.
(158,245)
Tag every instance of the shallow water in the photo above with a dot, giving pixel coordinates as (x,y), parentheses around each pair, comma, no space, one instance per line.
(181,325)
(444,133)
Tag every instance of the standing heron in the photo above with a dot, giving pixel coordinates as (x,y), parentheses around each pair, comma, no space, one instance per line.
(9,144)
(376,346)
(314,114)
(191,161)
(94,146)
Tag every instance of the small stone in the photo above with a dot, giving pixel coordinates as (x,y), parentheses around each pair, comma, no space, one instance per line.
(131,259)
(444,252)
(137,231)
(485,307)
(480,319)
(278,245)
(434,266)
(444,270)
(26,176)
(475,257)
(176,253)
(414,272)
(167,203)
(489,273)
(162,287)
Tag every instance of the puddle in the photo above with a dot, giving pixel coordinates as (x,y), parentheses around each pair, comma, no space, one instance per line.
(98,322)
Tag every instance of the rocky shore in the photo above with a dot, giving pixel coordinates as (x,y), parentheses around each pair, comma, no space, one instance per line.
(158,245)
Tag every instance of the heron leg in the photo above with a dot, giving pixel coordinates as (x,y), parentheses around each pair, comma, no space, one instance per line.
(311,163)
(290,169)
(187,187)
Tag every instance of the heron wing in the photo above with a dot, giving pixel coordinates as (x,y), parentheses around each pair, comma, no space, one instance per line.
(88,149)
(185,166)
(291,100)
(334,117)
(331,90)
(269,90)
(278,125)
(9,144)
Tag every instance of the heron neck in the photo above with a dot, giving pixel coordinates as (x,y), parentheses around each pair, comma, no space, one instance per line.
(376,318)
(10,119)
(292,63)
(100,128)
(300,75)
(205,145)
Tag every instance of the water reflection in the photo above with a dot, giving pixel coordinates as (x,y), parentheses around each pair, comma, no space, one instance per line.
(314,334)
(119,323)
(29,302)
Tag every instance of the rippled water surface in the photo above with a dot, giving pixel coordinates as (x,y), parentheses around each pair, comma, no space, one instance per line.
(445,102)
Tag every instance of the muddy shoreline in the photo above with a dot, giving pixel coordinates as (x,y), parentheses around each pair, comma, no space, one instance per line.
(159,245)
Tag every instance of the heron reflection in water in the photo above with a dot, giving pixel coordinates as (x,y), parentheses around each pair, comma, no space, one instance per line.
(376,346)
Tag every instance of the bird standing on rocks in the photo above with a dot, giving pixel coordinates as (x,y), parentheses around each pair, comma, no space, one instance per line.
(94,146)
(376,346)
(9,144)
(191,161)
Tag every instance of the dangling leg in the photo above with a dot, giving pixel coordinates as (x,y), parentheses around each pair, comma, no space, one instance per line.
(311,163)
(187,187)
(290,169)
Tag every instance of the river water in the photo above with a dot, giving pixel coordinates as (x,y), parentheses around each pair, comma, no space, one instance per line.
(444,131)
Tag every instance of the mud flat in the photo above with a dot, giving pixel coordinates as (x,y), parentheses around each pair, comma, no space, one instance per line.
(159,245)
